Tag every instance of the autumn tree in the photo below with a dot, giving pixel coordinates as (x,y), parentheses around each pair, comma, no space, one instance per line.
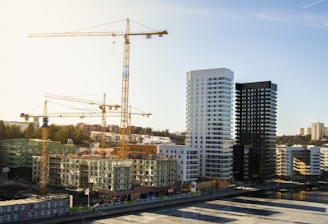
(13,131)
(2,130)
(32,131)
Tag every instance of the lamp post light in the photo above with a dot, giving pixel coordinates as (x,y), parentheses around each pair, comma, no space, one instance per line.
(87,192)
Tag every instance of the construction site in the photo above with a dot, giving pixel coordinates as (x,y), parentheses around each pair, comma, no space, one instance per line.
(122,173)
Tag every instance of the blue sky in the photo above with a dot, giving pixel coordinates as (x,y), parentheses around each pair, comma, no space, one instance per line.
(284,41)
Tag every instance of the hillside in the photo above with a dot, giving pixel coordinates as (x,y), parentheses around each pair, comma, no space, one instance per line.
(302,140)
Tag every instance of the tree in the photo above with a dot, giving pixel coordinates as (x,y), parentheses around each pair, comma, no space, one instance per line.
(2,130)
(32,132)
(13,131)
(296,139)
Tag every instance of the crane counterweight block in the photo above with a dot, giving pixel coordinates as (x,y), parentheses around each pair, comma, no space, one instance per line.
(45,121)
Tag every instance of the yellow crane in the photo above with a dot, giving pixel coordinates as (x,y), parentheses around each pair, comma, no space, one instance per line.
(80,114)
(102,106)
(125,75)
(44,151)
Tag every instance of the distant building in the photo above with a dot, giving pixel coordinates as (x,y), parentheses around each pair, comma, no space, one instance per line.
(298,162)
(109,136)
(155,140)
(89,127)
(317,131)
(254,152)
(22,125)
(304,131)
(325,132)
(209,121)
(301,132)
(307,131)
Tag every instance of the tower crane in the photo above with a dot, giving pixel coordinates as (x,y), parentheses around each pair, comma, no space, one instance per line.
(102,106)
(82,114)
(125,75)
(44,151)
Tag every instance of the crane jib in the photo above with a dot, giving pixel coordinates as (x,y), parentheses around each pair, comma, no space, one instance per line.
(93,34)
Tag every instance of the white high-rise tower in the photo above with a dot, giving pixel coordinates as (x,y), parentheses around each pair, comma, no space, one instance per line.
(209,120)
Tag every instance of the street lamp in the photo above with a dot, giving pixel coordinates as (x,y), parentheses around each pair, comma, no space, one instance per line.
(87,192)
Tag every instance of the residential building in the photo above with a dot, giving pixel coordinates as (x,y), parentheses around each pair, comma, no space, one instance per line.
(256,107)
(186,160)
(17,153)
(298,162)
(301,132)
(209,121)
(317,131)
(324,160)
(103,173)
(109,136)
(304,131)
(307,131)
(154,170)
(109,176)
(36,207)
(284,162)
(155,140)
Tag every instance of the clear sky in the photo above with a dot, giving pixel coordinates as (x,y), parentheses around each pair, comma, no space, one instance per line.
(284,41)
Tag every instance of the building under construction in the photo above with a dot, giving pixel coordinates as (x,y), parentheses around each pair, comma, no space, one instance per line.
(109,177)
(16,153)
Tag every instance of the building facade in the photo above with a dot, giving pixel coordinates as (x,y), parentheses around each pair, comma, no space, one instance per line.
(298,162)
(99,173)
(187,162)
(209,120)
(154,171)
(324,161)
(18,152)
(108,175)
(35,207)
(256,105)
(317,131)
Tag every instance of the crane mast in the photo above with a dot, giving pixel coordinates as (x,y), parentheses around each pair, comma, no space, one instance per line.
(125,91)
(44,151)
(103,124)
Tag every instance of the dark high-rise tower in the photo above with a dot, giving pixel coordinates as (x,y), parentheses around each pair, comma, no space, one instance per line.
(254,152)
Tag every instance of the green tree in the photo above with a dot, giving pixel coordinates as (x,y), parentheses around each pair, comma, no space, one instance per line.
(64,133)
(32,132)
(81,137)
(2,130)
(52,131)
(13,131)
